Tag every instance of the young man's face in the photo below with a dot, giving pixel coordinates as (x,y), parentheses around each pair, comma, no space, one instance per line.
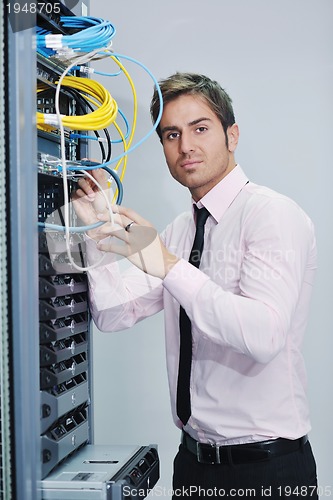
(194,144)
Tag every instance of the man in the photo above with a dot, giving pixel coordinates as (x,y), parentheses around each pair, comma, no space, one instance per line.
(244,416)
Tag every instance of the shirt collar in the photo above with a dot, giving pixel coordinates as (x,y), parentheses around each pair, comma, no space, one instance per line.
(220,197)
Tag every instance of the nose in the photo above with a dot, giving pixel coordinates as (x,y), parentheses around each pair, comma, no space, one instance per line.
(186,143)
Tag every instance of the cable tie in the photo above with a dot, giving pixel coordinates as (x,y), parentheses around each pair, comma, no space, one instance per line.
(52,119)
(53,41)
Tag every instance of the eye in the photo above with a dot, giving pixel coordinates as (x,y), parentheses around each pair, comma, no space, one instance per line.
(172,136)
(201,129)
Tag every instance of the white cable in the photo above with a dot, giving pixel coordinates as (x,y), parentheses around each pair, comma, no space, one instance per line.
(84,59)
(108,203)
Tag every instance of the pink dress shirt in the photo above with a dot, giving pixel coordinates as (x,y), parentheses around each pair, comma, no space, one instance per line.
(248,304)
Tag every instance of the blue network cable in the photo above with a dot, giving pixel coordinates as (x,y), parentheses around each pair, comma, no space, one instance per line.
(103,73)
(73,229)
(94,34)
(86,69)
(127,128)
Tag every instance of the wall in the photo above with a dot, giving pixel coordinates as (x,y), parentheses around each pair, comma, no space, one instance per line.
(275,60)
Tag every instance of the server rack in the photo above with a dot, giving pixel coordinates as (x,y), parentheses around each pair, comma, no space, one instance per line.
(46,303)
(20,190)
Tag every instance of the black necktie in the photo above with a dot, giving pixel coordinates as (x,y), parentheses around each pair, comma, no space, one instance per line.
(185,349)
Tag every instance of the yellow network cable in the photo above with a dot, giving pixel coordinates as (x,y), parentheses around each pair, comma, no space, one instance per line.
(135,112)
(124,159)
(41,87)
(135,103)
(101,118)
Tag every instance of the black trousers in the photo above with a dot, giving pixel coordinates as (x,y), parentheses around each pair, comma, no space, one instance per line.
(292,475)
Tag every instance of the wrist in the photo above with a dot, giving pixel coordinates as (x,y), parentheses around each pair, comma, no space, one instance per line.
(170,260)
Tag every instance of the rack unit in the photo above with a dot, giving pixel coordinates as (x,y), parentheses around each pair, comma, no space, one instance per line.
(104,473)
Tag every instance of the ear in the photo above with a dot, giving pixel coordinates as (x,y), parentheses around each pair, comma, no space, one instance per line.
(233,135)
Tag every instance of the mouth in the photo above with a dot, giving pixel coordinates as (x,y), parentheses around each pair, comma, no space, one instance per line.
(189,164)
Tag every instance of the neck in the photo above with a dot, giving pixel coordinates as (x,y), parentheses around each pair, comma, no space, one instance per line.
(200,192)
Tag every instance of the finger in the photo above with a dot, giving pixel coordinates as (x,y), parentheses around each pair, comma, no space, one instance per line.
(79,194)
(113,248)
(86,185)
(131,215)
(138,238)
(101,176)
(114,230)
(120,221)
(105,217)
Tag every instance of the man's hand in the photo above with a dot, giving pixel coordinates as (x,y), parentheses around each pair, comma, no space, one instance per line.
(88,200)
(130,236)
(135,238)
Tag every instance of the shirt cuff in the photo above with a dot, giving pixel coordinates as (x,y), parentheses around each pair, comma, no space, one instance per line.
(184,282)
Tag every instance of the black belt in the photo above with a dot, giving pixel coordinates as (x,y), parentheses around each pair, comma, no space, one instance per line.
(241,453)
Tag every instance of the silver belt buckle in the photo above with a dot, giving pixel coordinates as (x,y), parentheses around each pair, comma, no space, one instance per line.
(200,457)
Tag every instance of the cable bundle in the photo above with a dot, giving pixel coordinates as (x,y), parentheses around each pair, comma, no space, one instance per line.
(94,92)
(94,34)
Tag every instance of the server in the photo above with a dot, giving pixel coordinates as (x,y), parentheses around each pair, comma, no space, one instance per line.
(104,473)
